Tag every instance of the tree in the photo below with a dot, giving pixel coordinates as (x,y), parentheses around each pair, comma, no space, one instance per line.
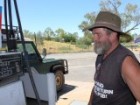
(27,34)
(130,17)
(60,34)
(90,18)
(39,38)
(69,37)
(48,34)
(84,42)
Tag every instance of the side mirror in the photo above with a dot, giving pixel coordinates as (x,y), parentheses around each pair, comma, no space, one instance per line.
(44,52)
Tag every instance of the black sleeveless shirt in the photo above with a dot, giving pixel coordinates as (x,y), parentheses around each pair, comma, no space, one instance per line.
(110,88)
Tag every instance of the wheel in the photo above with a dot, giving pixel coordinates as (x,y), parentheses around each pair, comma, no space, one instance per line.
(60,80)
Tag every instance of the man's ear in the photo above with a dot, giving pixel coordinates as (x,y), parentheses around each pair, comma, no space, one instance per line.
(113,36)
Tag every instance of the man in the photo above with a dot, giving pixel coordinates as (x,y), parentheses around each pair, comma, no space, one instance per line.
(117,76)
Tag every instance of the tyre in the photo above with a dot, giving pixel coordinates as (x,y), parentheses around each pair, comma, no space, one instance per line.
(60,80)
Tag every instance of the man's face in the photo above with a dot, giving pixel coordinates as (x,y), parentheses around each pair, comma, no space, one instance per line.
(102,41)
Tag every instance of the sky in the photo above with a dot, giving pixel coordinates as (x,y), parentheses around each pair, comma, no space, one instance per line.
(37,15)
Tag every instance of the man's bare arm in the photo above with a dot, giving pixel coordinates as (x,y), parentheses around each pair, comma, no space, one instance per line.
(131,75)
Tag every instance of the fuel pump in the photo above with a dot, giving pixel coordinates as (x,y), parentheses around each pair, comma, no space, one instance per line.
(11,56)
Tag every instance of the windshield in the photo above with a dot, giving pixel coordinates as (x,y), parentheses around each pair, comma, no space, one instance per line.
(29,48)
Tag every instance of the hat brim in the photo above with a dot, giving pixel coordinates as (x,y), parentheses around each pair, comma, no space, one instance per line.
(113,28)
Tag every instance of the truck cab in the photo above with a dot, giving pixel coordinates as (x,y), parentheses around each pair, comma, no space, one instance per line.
(40,63)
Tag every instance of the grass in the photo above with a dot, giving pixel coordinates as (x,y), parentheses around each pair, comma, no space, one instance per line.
(60,47)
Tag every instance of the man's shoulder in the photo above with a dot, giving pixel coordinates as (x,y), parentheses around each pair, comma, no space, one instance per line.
(125,50)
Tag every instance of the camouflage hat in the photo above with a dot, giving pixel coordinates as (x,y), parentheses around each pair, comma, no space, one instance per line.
(108,20)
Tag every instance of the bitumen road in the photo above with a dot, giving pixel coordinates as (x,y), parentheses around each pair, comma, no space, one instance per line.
(81,65)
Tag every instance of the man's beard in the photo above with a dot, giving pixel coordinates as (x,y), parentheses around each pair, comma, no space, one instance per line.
(101,47)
